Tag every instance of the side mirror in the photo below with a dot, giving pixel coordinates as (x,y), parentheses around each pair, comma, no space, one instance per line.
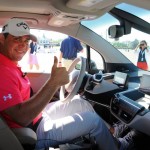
(78,66)
(116,31)
(93,67)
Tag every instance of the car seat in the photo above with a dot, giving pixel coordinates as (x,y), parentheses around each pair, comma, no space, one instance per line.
(16,139)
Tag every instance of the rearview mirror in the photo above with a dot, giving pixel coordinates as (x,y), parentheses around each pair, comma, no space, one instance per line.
(116,31)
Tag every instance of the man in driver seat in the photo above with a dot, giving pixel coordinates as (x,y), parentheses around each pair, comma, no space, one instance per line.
(56,122)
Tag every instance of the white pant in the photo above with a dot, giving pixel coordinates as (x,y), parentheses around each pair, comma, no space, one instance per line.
(67,63)
(66,121)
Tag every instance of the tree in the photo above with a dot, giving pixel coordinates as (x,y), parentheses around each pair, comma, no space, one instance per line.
(134,44)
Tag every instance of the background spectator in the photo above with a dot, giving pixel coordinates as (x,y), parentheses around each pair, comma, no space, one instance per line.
(33,57)
(142,55)
(68,51)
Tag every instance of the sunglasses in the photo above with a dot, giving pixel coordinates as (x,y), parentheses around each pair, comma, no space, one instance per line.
(141,44)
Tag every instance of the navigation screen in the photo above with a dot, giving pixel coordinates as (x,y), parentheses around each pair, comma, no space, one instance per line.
(120,78)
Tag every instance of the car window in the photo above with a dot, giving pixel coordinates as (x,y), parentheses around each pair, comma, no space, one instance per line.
(139,12)
(48,46)
(127,44)
(97,59)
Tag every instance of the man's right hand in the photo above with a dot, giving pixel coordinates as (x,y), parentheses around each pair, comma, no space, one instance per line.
(59,75)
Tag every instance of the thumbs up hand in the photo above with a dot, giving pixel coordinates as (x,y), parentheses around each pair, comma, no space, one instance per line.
(59,75)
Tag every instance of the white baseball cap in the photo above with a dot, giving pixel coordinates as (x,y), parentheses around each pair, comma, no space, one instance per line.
(17,27)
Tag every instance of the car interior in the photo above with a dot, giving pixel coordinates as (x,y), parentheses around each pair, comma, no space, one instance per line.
(104,76)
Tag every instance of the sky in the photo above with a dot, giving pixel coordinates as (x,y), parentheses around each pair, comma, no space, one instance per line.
(48,34)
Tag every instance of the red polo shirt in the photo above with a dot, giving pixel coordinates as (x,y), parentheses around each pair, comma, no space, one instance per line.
(14,88)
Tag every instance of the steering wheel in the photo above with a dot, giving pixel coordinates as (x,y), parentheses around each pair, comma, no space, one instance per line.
(75,77)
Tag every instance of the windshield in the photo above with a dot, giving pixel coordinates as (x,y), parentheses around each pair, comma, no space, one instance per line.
(128,44)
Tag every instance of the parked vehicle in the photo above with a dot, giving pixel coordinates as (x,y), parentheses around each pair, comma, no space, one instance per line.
(110,32)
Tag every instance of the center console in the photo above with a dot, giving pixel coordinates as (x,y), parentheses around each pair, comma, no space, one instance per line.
(126,105)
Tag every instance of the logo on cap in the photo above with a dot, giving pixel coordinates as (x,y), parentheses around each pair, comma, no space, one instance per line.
(24,25)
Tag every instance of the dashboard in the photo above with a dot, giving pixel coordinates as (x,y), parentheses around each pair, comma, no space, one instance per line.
(132,108)
(124,98)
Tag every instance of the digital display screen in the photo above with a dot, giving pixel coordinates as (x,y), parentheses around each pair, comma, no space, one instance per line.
(120,78)
(144,84)
(145,81)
